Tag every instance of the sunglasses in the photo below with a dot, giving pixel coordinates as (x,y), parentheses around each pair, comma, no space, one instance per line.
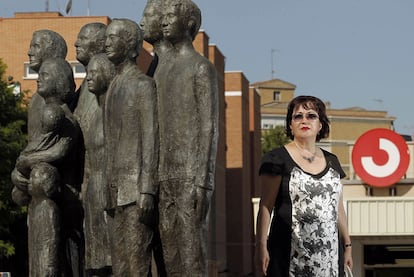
(309,116)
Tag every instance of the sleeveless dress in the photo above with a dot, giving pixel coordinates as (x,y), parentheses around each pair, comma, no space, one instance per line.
(303,239)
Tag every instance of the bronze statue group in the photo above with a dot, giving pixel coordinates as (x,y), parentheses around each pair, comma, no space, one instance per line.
(122,169)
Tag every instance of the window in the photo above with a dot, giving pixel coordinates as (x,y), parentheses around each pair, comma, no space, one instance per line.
(276,96)
(16,87)
(78,71)
(28,72)
(267,126)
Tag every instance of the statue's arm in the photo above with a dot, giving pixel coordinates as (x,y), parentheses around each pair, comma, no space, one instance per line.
(86,173)
(53,154)
(148,184)
(207,93)
(150,141)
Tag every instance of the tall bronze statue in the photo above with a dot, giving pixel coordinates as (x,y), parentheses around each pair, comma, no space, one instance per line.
(88,112)
(152,33)
(49,44)
(131,142)
(46,163)
(188,118)
(100,72)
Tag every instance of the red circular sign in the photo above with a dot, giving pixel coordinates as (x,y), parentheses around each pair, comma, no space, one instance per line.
(380,157)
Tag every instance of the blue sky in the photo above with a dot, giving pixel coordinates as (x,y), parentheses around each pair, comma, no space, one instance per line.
(351,53)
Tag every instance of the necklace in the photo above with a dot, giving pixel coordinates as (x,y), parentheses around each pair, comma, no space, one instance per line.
(309,159)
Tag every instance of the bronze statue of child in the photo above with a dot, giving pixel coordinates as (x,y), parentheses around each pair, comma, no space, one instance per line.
(44,221)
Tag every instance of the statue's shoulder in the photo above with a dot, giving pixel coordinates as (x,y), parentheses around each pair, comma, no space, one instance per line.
(134,76)
(202,62)
(202,66)
(146,85)
(146,81)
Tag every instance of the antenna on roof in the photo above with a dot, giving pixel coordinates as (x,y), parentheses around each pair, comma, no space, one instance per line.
(271,61)
(69,7)
(47,6)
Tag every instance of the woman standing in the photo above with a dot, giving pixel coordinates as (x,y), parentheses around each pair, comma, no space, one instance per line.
(100,72)
(300,183)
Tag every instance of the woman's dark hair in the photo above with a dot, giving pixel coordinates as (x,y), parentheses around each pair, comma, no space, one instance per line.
(308,102)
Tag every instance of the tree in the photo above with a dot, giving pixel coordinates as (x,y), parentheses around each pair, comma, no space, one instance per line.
(273,138)
(13,138)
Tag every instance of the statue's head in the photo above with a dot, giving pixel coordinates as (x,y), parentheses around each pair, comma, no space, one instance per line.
(44,180)
(56,80)
(181,19)
(45,44)
(52,118)
(90,41)
(123,40)
(151,21)
(100,72)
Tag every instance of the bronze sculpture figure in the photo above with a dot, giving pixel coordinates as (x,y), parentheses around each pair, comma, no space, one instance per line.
(147,149)
(54,202)
(44,222)
(188,116)
(100,72)
(131,142)
(88,112)
(49,44)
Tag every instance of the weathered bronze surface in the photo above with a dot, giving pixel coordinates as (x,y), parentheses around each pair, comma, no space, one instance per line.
(135,162)
(52,147)
(188,115)
(90,47)
(131,142)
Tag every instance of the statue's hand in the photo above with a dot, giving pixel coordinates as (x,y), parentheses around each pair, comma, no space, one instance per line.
(20,197)
(21,162)
(23,165)
(146,204)
(19,180)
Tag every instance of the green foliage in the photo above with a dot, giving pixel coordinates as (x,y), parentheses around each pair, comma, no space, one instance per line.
(273,138)
(6,249)
(13,118)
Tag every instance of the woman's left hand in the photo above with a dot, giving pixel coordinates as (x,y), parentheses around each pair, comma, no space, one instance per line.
(348,257)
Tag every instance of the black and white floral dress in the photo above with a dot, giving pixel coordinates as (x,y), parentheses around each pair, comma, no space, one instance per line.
(303,239)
